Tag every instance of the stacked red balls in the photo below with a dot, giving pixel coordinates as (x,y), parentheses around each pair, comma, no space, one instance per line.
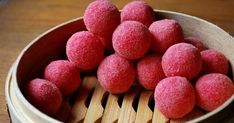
(166,62)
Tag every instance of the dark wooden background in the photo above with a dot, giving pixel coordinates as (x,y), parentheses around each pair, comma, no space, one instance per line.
(23,20)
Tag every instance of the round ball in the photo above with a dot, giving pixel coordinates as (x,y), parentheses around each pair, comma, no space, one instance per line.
(138,11)
(195,42)
(174,97)
(182,59)
(165,33)
(149,71)
(44,95)
(85,50)
(131,39)
(101,17)
(212,90)
(64,75)
(214,62)
(116,74)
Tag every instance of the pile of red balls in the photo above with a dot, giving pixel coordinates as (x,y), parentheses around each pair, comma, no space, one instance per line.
(180,71)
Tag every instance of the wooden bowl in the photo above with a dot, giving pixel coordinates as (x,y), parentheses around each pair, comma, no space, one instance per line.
(92,103)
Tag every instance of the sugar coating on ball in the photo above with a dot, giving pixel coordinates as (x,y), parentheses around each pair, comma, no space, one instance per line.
(212,90)
(174,97)
(182,59)
(85,50)
(149,71)
(44,95)
(101,17)
(214,62)
(138,11)
(165,33)
(131,39)
(64,75)
(116,74)
(195,42)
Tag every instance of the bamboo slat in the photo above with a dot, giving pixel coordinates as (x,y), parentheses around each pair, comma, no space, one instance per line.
(112,109)
(95,109)
(144,114)
(79,108)
(127,113)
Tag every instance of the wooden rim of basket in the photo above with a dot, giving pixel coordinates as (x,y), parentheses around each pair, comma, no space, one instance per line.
(7,94)
(50,119)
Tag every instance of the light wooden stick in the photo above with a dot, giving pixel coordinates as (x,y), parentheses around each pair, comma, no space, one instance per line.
(112,110)
(144,114)
(79,108)
(127,113)
(95,109)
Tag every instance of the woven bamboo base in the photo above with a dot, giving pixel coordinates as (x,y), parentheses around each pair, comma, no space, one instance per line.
(94,104)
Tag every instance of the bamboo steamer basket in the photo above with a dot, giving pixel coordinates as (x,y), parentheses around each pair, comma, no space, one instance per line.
(91,102)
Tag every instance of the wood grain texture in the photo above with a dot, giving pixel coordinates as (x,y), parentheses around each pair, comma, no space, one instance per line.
(23,20)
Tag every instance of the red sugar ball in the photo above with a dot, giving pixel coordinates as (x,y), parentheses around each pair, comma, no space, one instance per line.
(149,71)
(116,74)
(214,62)
(138,11)
(131,39)
(64,75)
(165,33)
(212,90)
(85,50)
(182,59)
(195,42)
(44,95)
(101,17)
(174,97)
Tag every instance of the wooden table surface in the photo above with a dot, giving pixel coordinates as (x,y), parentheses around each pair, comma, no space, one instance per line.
(23,20)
